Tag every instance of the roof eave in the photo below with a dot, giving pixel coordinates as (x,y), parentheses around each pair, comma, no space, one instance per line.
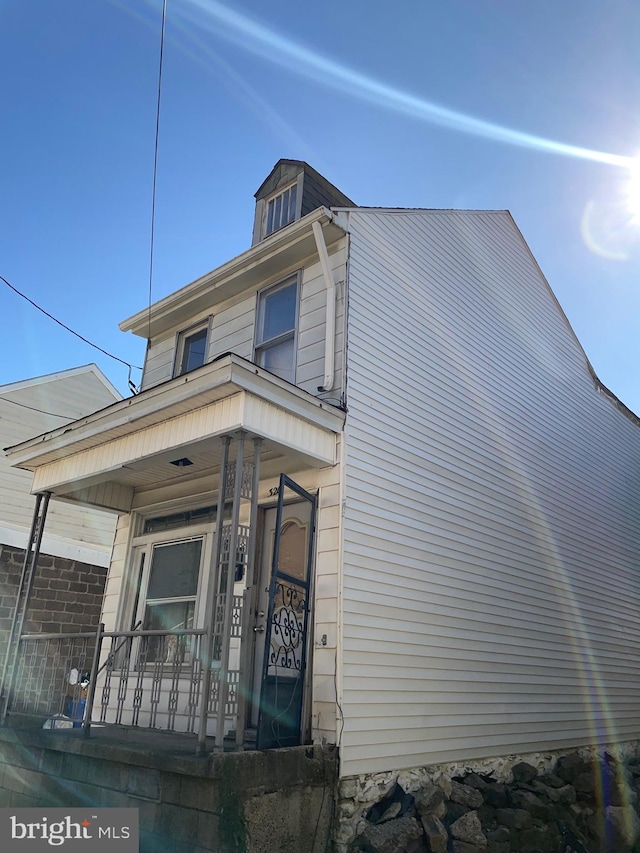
(243,271)
(229,371)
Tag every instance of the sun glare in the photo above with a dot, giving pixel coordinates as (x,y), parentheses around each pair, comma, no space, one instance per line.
(633,190)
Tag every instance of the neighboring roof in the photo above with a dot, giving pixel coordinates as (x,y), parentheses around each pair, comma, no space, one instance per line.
(28,407)
(302,166)
(23,384)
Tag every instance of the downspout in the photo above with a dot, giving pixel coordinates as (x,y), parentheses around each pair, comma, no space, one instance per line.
(330,327)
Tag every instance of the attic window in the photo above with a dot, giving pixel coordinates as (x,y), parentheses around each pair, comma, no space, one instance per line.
(281,209)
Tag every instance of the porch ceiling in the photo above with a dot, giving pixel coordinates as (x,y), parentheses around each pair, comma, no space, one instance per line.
(104,458)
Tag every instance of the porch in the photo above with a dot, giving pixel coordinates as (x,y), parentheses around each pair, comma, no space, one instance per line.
(206,623)
(122,686)
(249,801)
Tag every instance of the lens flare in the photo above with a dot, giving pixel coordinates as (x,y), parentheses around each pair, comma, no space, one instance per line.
(633,190)
(604,230)
(259,39)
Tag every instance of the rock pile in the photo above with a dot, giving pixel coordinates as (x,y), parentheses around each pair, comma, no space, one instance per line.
(582,806)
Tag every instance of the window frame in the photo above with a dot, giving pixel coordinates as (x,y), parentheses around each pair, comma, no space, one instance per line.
(272,200)
(263,214)
(261,344)
(140,563)
(181,340)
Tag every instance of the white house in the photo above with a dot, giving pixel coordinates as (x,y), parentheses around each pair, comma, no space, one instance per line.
(31,407)
(457,541)
(75,549)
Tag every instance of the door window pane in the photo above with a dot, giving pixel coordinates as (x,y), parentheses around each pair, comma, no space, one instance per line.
(292,550)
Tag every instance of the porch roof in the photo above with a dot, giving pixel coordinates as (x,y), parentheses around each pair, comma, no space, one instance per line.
(103,458)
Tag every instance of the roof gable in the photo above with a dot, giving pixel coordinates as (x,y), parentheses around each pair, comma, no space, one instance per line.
(90,369)
(286,171)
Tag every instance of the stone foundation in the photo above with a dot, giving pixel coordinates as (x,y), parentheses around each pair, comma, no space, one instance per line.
(245,802)
(578,802)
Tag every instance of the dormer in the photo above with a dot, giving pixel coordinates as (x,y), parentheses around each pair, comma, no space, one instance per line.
(292,190)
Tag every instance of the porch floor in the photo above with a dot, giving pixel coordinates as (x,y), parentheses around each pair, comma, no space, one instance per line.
(157,741)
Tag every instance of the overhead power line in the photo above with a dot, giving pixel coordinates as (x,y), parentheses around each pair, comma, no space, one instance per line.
(152,240)
(41,411)
(64,326)
(155,158)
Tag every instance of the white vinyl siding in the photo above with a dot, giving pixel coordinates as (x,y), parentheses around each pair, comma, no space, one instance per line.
(70,531)
(159,363)
(311,330)
(232,330)
(114,592)
(492,527)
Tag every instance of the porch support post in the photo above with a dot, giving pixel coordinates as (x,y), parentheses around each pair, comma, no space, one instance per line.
(23,599)
(246,640)
(226,590)
(253,516)
(93,681)
(206,653)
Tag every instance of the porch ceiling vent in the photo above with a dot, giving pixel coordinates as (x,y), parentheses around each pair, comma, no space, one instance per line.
(181,463)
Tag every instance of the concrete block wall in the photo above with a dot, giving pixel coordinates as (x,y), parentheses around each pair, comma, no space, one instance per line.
(251,802)
(66,595)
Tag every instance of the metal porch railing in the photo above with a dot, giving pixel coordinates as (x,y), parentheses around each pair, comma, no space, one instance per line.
(144,679)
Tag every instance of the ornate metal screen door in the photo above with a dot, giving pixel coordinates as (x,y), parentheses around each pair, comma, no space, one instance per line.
(285,650)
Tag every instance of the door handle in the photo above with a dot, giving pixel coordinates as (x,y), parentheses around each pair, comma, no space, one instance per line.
(258,629)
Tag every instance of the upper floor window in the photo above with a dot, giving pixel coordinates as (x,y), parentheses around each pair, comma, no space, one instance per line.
(276,329)
(192,348)
(281,209)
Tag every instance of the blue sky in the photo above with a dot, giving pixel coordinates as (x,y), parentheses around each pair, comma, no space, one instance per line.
(418,103)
